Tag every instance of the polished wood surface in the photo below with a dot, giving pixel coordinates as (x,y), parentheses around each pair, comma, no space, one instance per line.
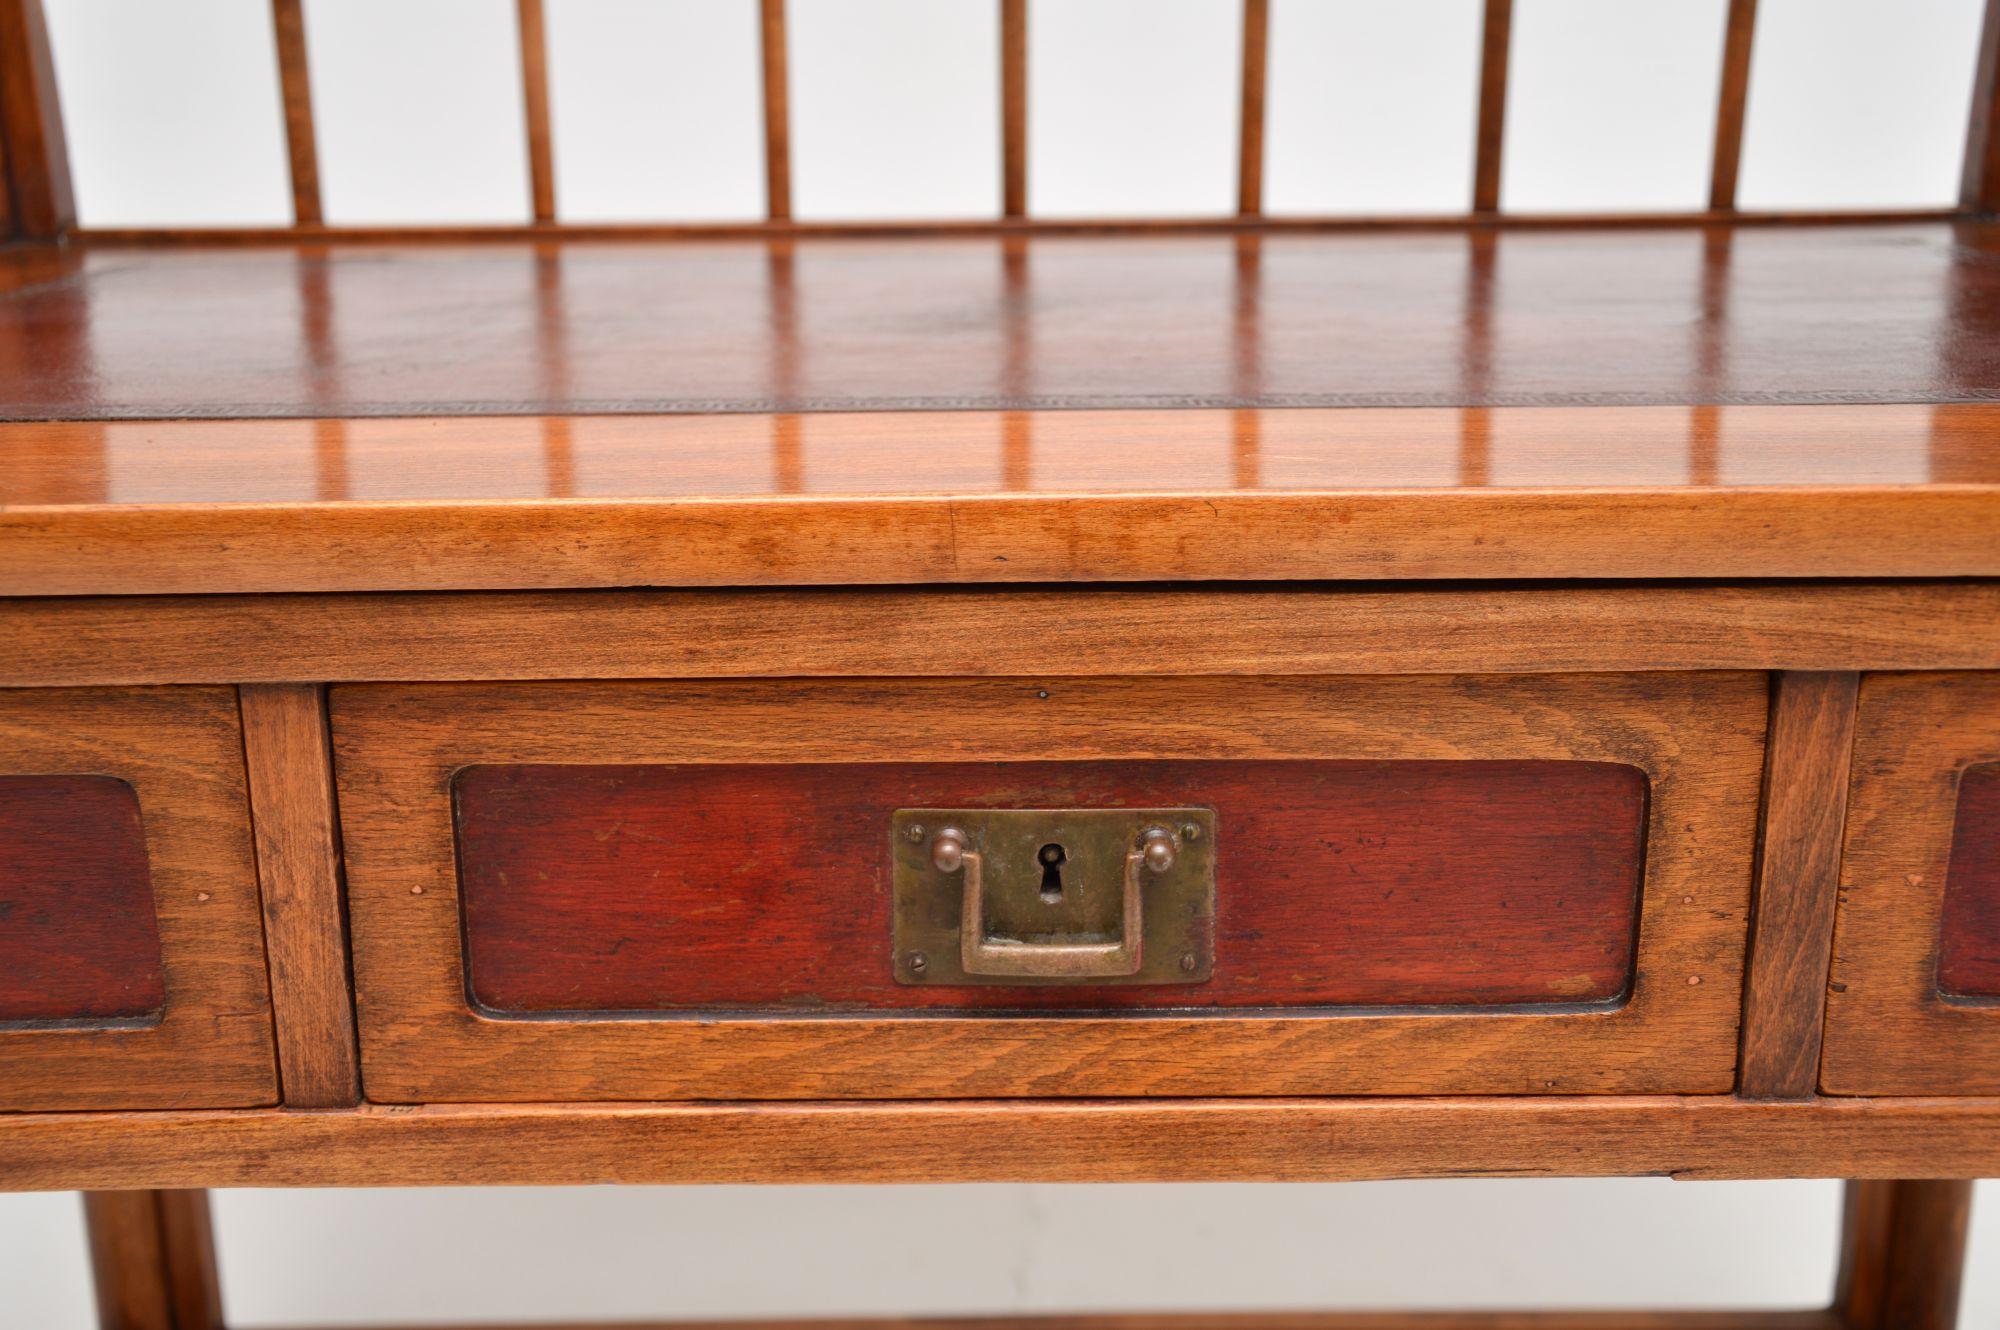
(41,199)
(1254,630)
(1687,316)
(1732,99)
(732,887)
(153,1255)
(1699,738)
(290,773)
(181,751)
(1182,1140)
(1726,454)
(162,507)
(1889,1030)
(1903,1259)
(1798,871)
(78,939)
(1969,926)
(288,26)
(1980,183)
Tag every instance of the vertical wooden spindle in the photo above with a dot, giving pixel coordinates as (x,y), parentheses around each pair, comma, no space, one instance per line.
(1495,38)
(1980,187)
(535,106)
(777,115)
(1730,102)
(42,201)
(1014,108)
(295,88)
(1250,137)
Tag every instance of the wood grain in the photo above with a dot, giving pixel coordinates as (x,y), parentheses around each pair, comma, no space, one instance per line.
(1241,1140)
(1732,98)
(1699,738)
(36,152)
(1250,112)
(1489,535)
(1903,1255)
(298,867)
(181,750)
(79,941)
(1889,1030)
(153,1257)
(737,887)
(532,28)
(1192,455)
(891,632)
(288,24)
(1587,316)
(1798,879)
(1969,922)
(1495,39)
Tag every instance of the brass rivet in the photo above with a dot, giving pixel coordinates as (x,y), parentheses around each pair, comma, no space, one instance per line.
(201,895)
(416,891)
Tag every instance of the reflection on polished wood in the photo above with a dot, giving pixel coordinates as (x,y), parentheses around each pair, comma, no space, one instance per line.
(1684,316)
(974,453)
(472,503)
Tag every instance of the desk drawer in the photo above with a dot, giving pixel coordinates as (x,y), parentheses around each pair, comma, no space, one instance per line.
(1416,885)
(1914,1002)
(131,942)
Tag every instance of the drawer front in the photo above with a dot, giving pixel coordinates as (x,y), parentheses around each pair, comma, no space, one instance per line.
(131,941)
(1420,885)
(1914,1002)
(767,887)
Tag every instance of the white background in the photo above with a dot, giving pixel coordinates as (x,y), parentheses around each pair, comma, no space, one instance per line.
(172,115)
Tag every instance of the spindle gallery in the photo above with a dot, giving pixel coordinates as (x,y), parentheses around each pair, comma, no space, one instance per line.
(791,701)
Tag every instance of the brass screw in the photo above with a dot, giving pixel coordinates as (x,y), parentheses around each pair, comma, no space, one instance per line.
(1190,831)
(1187,962)
(914,834)
(919,962)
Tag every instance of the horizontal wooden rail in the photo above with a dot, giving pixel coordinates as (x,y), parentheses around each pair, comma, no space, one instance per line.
(847,631)
(1059,226)
(1190,1140)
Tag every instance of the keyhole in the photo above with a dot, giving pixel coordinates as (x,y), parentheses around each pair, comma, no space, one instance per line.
(1052,856)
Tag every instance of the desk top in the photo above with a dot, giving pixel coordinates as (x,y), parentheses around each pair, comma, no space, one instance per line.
(1608,402)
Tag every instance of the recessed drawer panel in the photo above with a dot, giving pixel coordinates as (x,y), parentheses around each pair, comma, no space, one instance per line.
(1415,883)
(1914,1002)
(79,940)
(131,938)
(797,889)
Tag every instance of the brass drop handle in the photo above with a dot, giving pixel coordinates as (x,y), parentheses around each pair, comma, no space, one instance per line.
(980,954)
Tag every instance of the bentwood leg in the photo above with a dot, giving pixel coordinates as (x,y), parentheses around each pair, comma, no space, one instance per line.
(153,1255)
(1903,1254)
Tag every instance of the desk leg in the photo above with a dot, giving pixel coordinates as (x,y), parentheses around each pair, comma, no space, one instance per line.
(153,1255)
(1902,1257)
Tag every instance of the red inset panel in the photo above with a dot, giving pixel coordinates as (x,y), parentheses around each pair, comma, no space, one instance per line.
(649,888)
(1969,932)
(78,937)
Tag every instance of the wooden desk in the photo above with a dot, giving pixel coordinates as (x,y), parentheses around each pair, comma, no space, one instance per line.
(495,707)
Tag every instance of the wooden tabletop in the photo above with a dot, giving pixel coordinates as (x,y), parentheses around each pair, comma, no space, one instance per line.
(1682,315)
(1608,403)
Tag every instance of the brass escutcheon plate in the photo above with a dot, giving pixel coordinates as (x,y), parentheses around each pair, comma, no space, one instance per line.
(1052,879)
